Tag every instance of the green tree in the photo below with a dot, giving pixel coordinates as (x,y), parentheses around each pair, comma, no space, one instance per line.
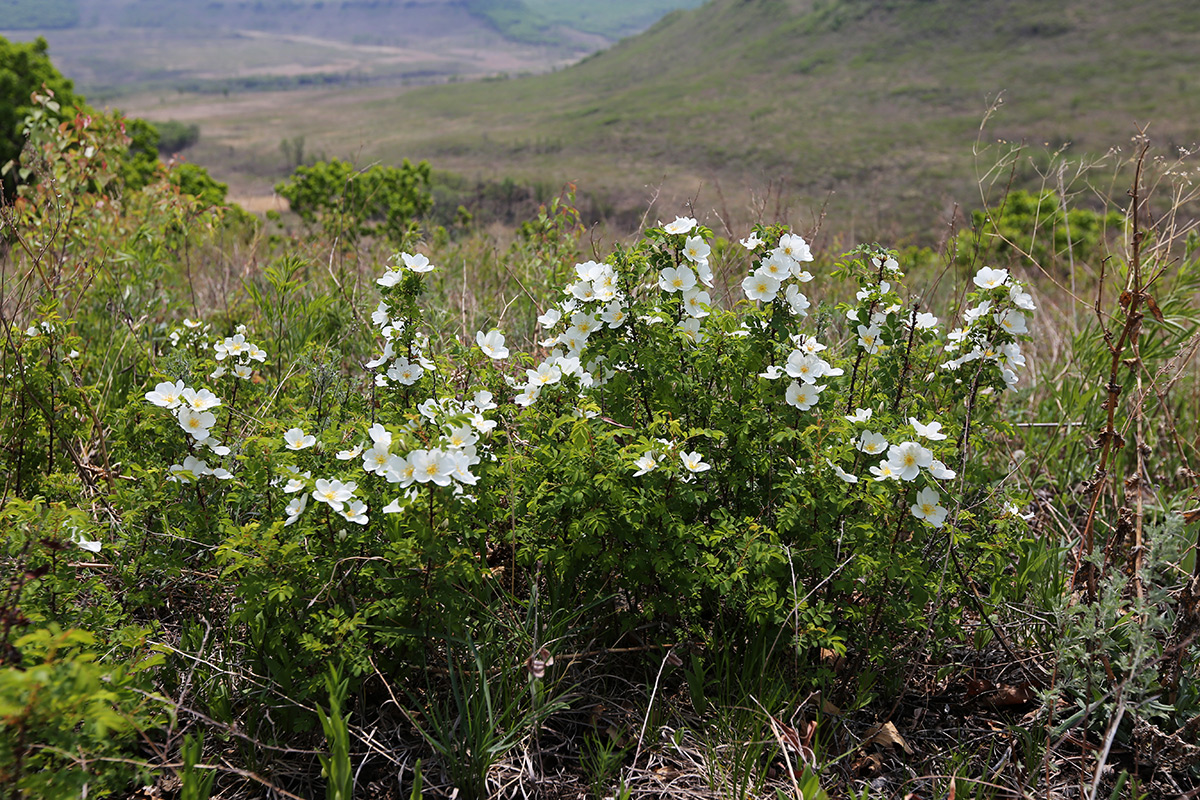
(24,69)
(353,203)
(140,164)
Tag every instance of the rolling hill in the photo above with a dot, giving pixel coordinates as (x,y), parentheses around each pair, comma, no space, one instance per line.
(854,96)
(872,105)
(113,47)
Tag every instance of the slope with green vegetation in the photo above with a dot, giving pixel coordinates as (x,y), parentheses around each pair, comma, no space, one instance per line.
(881,103)
(614,19)
(546,21)
(114,47)
(38,14)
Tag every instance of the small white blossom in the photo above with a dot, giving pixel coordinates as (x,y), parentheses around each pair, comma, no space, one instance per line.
(614,314)
(868,338)
(680,225)
(990,278)
(528,396)
(1012,321)
(884,471)
(693,462)
(676,279)
(696,249)
(546,374)
(483,400)
(431,466)
(645,464)
(196,423)
(926,508)
(772,373)
(492,344)
(417,263)
(803,395)
(167,395)
(405,372)
(925,320)
(333,493)
(796,301)
(349,455)
(399,470)
(691,330)
(940,471)
(355,511)
(777,266)
(907,458)
(841,473)
(200,400)
(752,242)
(83,543)
(860,415)
(932,431)
(1021,298)
(295,439)
(295,509)
(795,247)
(760,288)
(871,443)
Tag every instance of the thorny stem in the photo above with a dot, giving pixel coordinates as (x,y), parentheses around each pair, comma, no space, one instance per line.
(912,333)
(229,417)
(861,352)
(887,583)
(1131,299)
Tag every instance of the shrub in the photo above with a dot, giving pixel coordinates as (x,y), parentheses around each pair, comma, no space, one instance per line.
(348,203)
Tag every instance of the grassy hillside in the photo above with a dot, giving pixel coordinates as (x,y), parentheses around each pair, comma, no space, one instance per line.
(874,108)
(115,47)
(612,19)
(553,21)
(38,14)
(878,102)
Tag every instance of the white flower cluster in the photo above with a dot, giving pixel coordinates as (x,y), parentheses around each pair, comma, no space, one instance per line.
(400,262)
(871,330)
(686,280)
(655,457)
(192,332)
(192,411)
(338,495)
(193,467)
(990,329)
(782,264)
(592,302)
(46,327)
(904,462)
(405,368)
(459,427)
(191,407)
(240,354)
(806,366)
(408,367)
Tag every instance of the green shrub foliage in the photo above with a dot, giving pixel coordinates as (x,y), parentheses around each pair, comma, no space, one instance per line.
(348,203)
